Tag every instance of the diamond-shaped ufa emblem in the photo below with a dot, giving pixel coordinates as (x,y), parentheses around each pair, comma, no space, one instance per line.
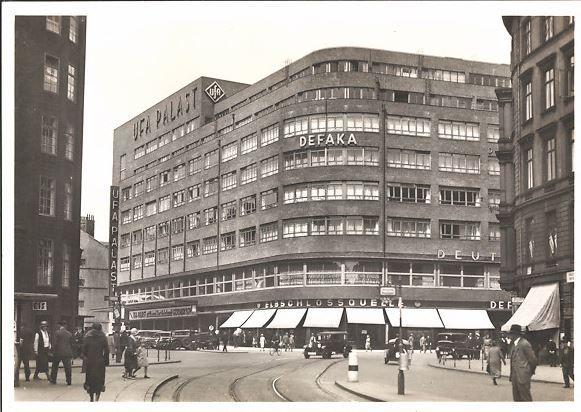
(214,92)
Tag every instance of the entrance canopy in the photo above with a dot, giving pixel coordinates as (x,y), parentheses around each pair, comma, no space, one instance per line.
(323,318)
(414,318)
(465,319)
(368,316)
(286,319)
(236,319)
(259,318)
(540,310)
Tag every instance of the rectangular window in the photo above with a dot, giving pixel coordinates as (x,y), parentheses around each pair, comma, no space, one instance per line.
(149,233)
(73,29)
(296,160)
(210,245)
(124,240)
(493,166)
(529,169)
(53,23)
(193,249)
(211,159)
(179,198)
(138,189)
(551,159)
(51,74)
(269,167)
(137,237)
(459,163)
(460,230)
(458,130)
(248,143)
(194,220)
(228,241)
(547,28)
(164,203)
(296,127)
(248,205)
(137,261)
(229,210)
(229,151)
(66,277)
(126,216)
(177,252)
(151,183)
(268,199)
(139,152)
(71,91)
(47,196)
(163,255)
(528,92)
(295,228)
(549,86)
(68,200)
(402,227)
(210,187)
(527,38)
(493,231)
(195,165)
(69,142)
(164,178)
(248,236)
(49,135)
(248,174)
(493,133)
(459,196)
(177,225)
(124,264)
(194,192)
(162,229)
(408,159)
(269,135)
(138,212)
(122,167)
(125,194)
(229,181)
(179,172)
(149,259)
(408,126)
(409,193)
(45,262)
(210,215)
(268,232)
(570,75)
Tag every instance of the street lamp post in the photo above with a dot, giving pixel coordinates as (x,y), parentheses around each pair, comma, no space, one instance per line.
(402,354)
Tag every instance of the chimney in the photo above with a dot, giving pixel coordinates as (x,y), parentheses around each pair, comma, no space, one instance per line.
(88,224)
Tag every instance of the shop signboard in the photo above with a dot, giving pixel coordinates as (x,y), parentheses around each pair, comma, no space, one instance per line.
(570,277)
(113,238)
(39,306)
(387,291)
(172,312)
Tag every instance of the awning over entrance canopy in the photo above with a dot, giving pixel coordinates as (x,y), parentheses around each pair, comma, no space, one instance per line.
(323,318)
(259,318)
(368,316)
(414,318)
(286,319)
(236,319)
(540,310)
(465,319)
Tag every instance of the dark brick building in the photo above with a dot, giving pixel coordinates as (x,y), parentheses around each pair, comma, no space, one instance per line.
(49,95)
(536,158)
(347,170)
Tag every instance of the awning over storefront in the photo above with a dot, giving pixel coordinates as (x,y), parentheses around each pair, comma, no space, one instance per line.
(465,319)
(540,310)
(236,319)
(414,318)
(368,316)
(286,319)
(323,318)
(259,318)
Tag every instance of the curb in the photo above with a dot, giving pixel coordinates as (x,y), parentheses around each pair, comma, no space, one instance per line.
(148,397)
(484,373)
(219,351)
(362,395)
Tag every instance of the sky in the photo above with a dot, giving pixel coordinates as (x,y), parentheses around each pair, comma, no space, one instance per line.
(138,54)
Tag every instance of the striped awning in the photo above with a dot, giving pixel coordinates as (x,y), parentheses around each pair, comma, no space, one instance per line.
(286,319)
(259,318)
(237,319)
(323,318)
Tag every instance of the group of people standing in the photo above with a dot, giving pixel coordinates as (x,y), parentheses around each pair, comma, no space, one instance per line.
(286,341)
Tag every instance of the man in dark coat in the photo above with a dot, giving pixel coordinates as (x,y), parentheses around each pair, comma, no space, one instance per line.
(63,351)
(131,355)
(41,350)
(552,351)
(567,363)
(523,364)
(26,340)
(95,352)
(117,344)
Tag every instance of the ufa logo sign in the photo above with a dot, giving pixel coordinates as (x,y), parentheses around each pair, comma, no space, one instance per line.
(214,92)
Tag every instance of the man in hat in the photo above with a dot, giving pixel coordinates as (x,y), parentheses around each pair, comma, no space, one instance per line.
(523,363)
(63,351)
(41,350)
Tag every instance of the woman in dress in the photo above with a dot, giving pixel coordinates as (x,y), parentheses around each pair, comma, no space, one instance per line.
(95,353)
(142,361)
(495,361)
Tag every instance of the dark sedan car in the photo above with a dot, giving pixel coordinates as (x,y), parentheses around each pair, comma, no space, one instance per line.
(392,351)
(328,344)
(452,344)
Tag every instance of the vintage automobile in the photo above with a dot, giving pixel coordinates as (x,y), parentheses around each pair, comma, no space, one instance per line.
(182,339)
(148,337)
(452,344)
(202,340)
(392,351)
(163,340)
(329,343)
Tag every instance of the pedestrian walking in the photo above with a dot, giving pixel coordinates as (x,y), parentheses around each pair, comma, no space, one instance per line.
(111,345)
(95,353)
(225,342)
(42,349)
(26,349)
(567,362)
(77,343)
(367,343)
(130,361)
(291,341)
(286,342)
(552,351)
(62,352)
(429,343)
(523,364)
(411,342)
(142,361)
(504,346)
(262,342)
(117,344)
(255,341)
(486,345)
(423,344)
(495,362)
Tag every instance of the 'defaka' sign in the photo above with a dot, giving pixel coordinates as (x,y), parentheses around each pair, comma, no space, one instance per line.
(328,139)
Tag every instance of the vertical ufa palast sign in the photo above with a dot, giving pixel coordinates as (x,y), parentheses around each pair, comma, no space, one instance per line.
(113,239)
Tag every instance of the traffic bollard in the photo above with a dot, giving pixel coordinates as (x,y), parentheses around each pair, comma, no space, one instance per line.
(158,355)
(353,371)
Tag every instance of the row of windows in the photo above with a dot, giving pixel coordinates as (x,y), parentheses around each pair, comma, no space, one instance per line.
(45,264)
(166,138)
(421,228)
(47,197)
(51,77)
(54,24)
(460,196)
(338,190)
(332,156)
(546,32)
(49,137)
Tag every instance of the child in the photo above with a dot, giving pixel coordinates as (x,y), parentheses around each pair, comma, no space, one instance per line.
(142,361)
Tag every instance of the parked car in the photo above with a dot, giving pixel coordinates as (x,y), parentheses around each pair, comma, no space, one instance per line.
(163,340)
(392,351)
(147,337)
(452,344)
(202,340)
(329,343)
(182,339)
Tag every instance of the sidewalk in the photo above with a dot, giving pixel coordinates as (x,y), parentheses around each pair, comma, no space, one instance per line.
(78,363)
(543,373)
